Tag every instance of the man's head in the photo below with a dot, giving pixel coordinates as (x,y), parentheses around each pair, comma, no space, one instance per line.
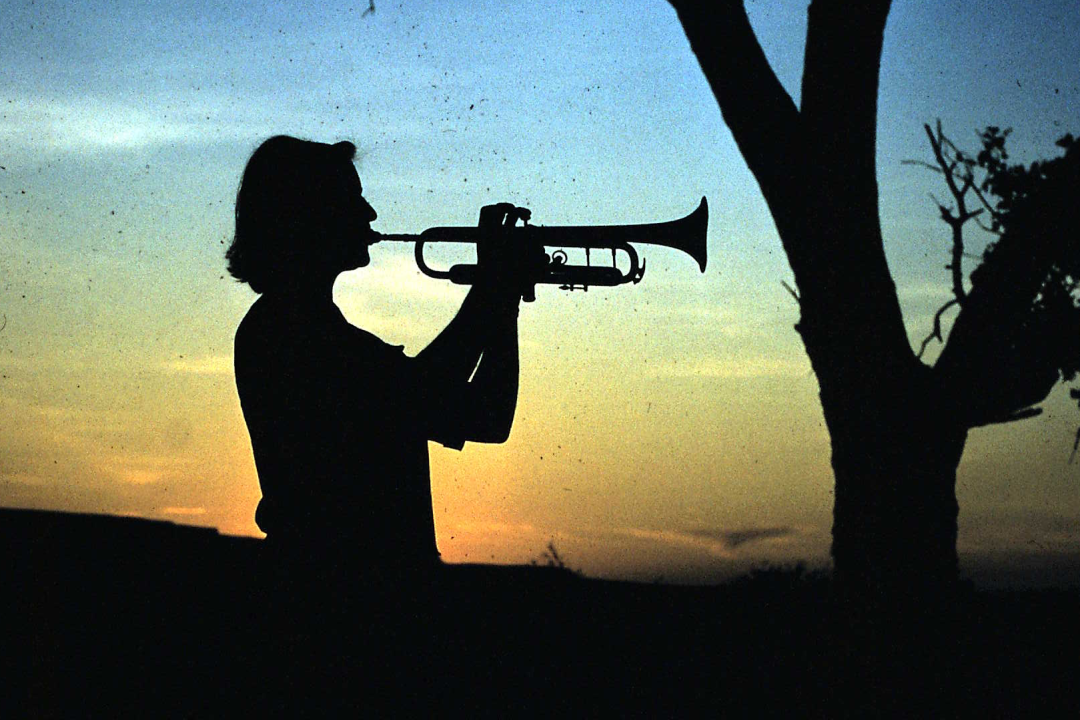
(299,212)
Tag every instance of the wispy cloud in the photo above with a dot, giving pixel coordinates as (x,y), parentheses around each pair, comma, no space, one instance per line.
(172,510)
(720,543)
(91,123)
(735,538)
(936,292)
(397,275)
(143,468)
(205,365)
(718,319)
(139,476)
(754,367)
(396,302)
(491,527)
(25,478)
(58,413)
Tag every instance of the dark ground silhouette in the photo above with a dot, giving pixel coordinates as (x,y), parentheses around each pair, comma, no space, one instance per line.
(105,616)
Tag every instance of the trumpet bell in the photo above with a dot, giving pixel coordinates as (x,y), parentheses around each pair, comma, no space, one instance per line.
(690,234)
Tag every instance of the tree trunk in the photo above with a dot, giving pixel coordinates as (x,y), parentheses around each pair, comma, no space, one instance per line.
(895,510)
(896,440)
(894,516)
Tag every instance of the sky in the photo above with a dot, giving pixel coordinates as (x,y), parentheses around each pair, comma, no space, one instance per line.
(668,430)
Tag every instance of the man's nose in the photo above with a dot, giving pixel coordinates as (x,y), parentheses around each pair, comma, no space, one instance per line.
(368,211)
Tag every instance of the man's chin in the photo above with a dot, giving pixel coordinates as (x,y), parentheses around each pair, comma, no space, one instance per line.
(361,262)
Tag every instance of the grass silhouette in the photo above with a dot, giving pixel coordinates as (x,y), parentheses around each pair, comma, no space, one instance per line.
(552,559)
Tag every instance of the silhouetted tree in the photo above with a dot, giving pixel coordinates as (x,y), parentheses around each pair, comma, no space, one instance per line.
(897,426)
(1023,293)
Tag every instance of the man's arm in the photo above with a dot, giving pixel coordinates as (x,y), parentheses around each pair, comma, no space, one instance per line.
(484,331)
(492,395)
(452,356)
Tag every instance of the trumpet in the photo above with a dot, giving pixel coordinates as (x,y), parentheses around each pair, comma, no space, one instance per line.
(687,234)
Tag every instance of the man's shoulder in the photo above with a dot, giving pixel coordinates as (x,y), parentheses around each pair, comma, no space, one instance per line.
(279,326)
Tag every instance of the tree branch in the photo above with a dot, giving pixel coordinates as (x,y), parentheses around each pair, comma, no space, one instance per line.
(922,164)
(760,114)
(818,178)
(995,362)
(935,334)
(792,291)
(1008,417)
(845,252)
(949,161)
(840,70)
(956,265)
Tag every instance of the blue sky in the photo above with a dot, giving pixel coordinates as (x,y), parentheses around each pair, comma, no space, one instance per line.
(656,422)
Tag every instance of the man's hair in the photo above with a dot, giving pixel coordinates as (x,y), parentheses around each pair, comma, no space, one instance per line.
(287,196)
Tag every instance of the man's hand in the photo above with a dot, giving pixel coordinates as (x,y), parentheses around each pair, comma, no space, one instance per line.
(506,260)
(502,215)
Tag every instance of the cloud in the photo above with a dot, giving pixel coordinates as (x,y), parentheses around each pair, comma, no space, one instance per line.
(59,413)
(183,510)
(396,302)
(735,538)
(721,543)
(137,476)
(491,527)
(720,320)
(205,365)
(737,368)
(143,468)
(936,292)
(397,275)
(89,123)
(26,478)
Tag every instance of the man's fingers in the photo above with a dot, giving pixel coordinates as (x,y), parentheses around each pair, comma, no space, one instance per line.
(517,213)
(506,258)
(494,215)
(502,215)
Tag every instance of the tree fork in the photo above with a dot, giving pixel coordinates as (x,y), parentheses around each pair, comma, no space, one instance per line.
(894,451)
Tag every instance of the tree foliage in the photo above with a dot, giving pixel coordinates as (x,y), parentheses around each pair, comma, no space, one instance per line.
(1035,248)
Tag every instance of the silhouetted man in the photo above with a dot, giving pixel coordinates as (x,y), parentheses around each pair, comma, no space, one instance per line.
(339,420)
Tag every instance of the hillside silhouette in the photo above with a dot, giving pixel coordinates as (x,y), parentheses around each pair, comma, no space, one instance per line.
(106,616)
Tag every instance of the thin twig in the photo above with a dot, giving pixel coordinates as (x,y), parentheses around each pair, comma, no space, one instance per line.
(957,265)
(922,164)
(942,146)
(936,332)
(1011,417)
(986,204)
(793,292)
(938,144)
